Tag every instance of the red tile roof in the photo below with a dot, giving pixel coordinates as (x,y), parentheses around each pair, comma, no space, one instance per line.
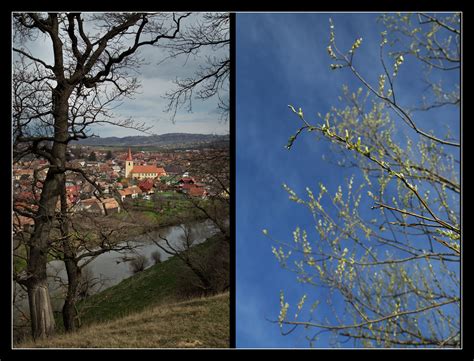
(129,191)
(110,203)
(23,172)
(197,191)
(146,185)
(148,169)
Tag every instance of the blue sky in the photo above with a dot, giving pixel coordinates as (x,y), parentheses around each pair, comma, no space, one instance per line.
(281,60)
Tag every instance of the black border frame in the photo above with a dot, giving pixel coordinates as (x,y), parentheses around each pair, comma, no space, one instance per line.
(6,353)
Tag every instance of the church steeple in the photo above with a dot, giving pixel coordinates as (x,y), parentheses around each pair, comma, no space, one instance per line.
(128,164)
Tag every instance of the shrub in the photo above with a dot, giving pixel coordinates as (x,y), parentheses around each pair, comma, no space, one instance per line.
(156,256)
(139,263)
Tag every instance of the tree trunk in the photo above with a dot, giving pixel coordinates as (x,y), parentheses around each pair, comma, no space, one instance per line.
(42,320)
(69,308)
(72,269)
(205,283)
(41,310)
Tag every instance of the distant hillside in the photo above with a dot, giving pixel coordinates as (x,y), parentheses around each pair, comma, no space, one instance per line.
(197,323)
(170,140)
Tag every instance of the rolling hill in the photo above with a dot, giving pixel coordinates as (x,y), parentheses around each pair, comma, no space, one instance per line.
(170,140)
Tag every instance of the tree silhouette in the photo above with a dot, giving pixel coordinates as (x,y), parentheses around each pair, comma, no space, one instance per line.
(55,101)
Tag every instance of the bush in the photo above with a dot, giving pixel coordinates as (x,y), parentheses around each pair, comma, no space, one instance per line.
(213,261)
(156,256)
(139,263)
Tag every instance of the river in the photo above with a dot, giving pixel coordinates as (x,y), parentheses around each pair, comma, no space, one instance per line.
(110,268)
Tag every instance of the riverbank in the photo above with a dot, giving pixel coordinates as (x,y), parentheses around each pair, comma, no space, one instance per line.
(159,284)
(157,287)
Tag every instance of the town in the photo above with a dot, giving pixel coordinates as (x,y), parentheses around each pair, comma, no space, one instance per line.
(115,195)
(108,180)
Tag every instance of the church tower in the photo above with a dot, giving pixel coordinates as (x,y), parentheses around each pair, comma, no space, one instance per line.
(128,164)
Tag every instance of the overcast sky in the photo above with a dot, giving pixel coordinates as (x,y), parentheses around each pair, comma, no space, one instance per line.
(148,105)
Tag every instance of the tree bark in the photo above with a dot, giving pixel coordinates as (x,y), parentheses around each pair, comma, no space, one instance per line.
(41,311)
(39,300)
(42,321)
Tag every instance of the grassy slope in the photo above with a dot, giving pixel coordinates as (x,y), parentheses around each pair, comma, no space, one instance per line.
(197,323)
(146,310)
(154,286)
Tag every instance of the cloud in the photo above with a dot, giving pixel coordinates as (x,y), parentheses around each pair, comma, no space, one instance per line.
(156,78)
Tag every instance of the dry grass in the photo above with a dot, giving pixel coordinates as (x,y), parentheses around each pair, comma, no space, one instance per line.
(197,323)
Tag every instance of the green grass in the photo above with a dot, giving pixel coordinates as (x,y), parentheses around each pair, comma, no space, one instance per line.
(152,215)
(155,285)
(19,262)
(178,210)
(174,209)
(19,258)
(167,194)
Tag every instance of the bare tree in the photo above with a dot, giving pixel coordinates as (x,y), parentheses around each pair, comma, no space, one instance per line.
(87,238)
(139,263)
(209,35)
(55,102)
(214,169)
(156,256)
(181,250)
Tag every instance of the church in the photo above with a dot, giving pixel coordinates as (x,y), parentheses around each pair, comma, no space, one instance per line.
(141,171)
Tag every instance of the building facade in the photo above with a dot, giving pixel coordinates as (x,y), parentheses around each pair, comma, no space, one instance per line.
(141,171)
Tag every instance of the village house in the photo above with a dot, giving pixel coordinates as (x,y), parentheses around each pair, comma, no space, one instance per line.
(163,187)
(130,192)
(111,205)
(197,191)
(23,174)
(104,186)
(186,180)
(96,206)
(73,192)
(93,164)
(90,205)
(146,186)
(188,185)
